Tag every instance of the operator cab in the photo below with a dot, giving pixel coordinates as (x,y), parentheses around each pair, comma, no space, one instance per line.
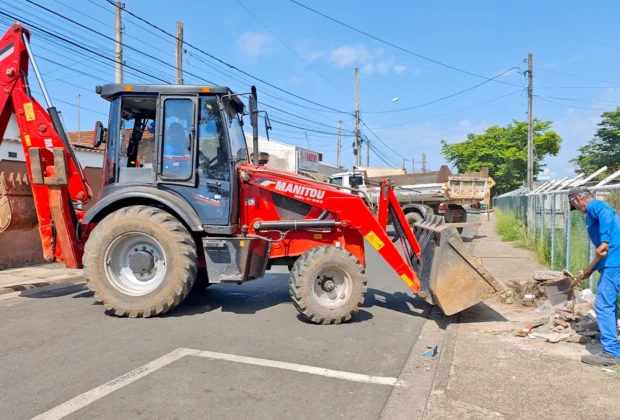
(182,140)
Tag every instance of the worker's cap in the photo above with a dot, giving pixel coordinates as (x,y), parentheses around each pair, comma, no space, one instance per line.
(574,193)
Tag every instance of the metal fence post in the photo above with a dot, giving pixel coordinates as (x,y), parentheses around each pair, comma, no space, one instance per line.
(553,197)
(542,220)
(534,219)
(569,228)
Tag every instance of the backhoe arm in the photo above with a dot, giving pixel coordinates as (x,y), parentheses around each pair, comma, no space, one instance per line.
(56,177)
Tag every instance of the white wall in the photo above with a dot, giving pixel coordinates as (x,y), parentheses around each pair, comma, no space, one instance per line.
(87,159)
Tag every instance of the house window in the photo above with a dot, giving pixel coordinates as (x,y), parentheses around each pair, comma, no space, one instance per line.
(13,155)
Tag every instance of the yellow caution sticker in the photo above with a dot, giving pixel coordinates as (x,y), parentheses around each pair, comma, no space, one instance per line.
(241,243)
(27,140)
(374,240)
(29,110)
(406,279)
(318,236)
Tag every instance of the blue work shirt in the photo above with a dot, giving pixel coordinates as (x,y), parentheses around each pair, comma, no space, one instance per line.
(603,225)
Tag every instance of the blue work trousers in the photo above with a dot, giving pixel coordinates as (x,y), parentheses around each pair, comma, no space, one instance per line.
(606,308)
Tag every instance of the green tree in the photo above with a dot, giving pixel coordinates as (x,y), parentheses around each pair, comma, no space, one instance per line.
(604,148)
(504,151)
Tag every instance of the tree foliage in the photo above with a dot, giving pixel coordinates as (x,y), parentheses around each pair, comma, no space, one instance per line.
(604,148)
(504,151)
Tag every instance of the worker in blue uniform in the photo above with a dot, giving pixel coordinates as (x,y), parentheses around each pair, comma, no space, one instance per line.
(603,226)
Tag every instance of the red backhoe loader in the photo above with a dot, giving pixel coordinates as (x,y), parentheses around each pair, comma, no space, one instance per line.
(180,204)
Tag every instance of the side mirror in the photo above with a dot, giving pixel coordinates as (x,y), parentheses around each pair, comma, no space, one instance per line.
(355,181)
(98,136)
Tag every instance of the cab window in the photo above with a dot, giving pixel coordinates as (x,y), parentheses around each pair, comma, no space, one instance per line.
(176,137)
(213,160)
(336,180)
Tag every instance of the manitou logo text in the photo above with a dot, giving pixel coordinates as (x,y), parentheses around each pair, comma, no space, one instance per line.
(300,191)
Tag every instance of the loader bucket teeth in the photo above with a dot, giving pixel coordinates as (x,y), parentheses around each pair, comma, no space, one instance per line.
(450,276)
(17,209)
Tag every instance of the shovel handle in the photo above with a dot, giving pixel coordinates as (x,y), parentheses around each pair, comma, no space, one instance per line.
(589,268)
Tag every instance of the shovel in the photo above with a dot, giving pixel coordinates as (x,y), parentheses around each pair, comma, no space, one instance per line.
(589,268)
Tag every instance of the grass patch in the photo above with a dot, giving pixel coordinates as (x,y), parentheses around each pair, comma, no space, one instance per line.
(509,228)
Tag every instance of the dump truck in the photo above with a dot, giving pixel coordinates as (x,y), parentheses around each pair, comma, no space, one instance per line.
(425,193)
(190,208)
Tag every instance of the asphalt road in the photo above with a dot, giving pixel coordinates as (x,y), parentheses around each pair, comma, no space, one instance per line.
(56,346)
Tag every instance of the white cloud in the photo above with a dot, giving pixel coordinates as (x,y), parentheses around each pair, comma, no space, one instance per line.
(369,60)
(311,56)
(384,66)
(254,44)
(574,58)
(399,69)
(368,68)
(350,54)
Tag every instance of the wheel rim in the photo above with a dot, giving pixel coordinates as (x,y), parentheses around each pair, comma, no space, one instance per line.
(332,287)
(135,264)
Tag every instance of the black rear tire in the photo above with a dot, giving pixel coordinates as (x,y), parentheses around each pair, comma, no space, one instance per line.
(177,244)
(413,218)
(309,282)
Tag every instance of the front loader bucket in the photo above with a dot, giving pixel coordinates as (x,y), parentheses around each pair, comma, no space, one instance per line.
(450,276)
(17,210)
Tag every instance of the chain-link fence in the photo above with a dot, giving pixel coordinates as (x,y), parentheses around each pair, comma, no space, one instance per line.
(555,234)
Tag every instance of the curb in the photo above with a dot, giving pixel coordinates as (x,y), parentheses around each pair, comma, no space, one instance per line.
(420,374)
(15,290)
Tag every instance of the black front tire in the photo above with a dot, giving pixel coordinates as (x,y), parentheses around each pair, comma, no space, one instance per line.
(313,267)
(181,261)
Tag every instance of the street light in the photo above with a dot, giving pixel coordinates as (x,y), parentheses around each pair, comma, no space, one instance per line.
(388,102)
(367,141)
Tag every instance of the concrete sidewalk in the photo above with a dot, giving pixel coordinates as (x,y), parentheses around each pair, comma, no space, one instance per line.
(16,280)
(485,372)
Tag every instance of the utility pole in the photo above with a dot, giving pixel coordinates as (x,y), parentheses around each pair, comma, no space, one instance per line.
(339,144)
(78,107)
(530,127)
(307,141)
(367,151)
(404,162)
(423,162)
(412,166)
(356,148)
(179,53)
(118,74)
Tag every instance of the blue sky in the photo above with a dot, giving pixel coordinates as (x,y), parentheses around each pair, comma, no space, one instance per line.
(482,37)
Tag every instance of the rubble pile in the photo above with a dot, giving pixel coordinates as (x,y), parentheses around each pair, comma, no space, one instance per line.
(530,292)
(574,324)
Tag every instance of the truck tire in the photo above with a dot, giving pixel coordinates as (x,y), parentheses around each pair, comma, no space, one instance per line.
(140,261)
(327,285)
(413,218)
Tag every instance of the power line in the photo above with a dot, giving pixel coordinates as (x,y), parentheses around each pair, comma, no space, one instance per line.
(449,113)
(381,141)
(228,64)
(570,106)
(449,96)
(291,49)
(112,39)
(577,76)
(396,46)
(79,46)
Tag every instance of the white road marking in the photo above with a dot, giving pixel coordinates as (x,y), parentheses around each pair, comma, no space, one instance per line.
(95,394)
(348,376)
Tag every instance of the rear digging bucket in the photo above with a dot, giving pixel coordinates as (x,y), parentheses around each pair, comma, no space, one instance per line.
(450,277)
(17,210)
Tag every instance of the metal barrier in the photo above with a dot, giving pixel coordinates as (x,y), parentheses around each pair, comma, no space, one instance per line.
(557,235)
